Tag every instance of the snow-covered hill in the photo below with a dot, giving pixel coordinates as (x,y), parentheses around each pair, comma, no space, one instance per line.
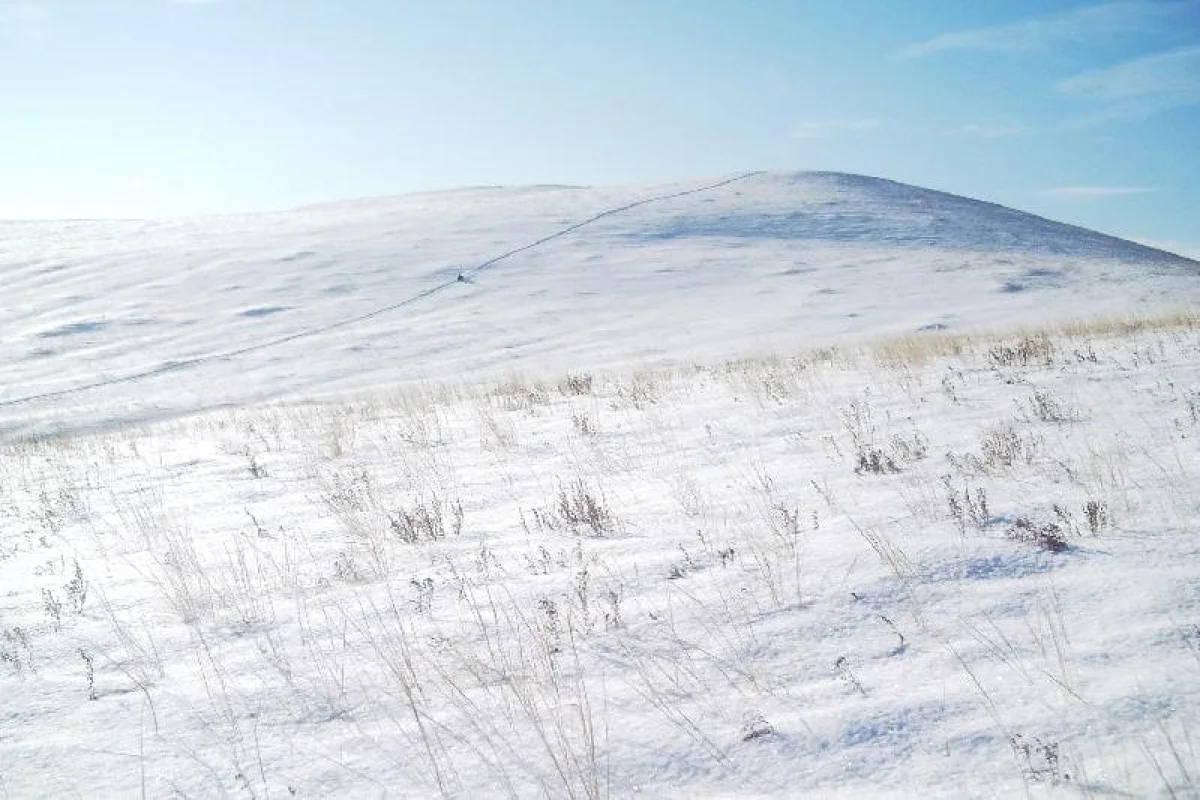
(871,565)
(765,262)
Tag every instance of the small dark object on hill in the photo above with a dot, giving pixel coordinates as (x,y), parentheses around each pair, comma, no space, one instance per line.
(755,726)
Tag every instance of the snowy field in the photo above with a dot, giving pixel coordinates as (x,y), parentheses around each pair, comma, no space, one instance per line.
(730,494)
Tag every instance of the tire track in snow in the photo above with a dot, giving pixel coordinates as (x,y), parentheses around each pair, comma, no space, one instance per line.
(609,213)
(175,366)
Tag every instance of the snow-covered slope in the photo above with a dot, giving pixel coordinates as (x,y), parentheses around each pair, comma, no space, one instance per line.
(769,261)
(812,577)
(936,566)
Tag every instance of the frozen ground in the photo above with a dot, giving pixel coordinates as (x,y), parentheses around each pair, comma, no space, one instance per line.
(950,565)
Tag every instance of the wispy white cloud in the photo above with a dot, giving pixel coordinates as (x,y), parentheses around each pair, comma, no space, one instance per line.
(1095,192)
(824,129)
(989,130)
(1142,86)
(1104,20)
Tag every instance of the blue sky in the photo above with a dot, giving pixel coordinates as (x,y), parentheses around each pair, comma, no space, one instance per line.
(1084,112)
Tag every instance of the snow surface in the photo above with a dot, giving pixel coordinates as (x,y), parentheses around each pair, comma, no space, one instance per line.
(646,559)
(769,262)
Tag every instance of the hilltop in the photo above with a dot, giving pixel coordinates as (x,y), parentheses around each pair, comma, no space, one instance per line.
(767,262)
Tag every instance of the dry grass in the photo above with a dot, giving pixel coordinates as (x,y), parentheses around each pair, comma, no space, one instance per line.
(481,653)
(1184,319)
(919,349)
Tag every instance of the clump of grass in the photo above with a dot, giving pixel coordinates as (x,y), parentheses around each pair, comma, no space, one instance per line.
(427,520)
(576,384)
(53,608)
(1042,760)
(579,508)
(1000,448)
(76,590)
(14,641)
(347,570)
(641,389)
(1097,516)
(967,507)
(910,449)
(89,672)
(875,461)
(1048,536)
(516,394)
(583,423)
(1048,408)
(869,455)
(1033,349)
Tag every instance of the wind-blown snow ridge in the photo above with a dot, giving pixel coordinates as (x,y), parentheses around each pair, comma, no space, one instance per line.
(675,272)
